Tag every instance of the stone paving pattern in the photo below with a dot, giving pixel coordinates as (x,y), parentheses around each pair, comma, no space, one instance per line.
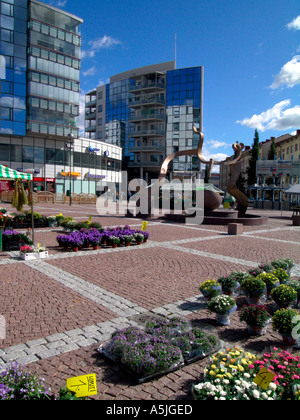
(59,310)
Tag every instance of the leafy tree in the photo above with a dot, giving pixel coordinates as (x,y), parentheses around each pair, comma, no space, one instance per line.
(272,152)
(251,170)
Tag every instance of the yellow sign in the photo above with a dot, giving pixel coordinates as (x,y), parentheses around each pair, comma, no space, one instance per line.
(70,173)
(226,205)
(264,378)
(83,386)
(144,225)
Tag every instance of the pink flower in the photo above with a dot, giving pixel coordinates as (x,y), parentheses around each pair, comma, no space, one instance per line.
(251,366)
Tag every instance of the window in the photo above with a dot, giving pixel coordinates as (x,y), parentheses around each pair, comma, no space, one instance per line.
(39,155)
(28,154)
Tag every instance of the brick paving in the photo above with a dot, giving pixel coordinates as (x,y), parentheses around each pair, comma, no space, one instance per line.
(59,310)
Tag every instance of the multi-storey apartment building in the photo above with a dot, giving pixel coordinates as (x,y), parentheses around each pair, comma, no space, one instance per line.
(155,107)
(39,100)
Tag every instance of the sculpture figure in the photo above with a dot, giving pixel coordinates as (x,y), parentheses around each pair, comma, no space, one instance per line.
(235,164)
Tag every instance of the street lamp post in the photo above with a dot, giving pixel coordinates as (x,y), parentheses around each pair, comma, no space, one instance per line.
(70,145)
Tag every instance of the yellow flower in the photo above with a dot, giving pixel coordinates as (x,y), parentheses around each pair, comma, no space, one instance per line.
(212,373)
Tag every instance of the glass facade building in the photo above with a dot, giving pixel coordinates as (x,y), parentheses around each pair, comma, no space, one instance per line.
(13,66)
(40,65)
(184,109)
(53,71)
(157,105)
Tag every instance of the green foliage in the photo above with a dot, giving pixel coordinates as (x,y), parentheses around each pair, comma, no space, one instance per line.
(251,170)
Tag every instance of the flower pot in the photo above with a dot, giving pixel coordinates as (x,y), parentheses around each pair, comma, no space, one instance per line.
(224,319)
(95,247)
(114,245)
(33,255)
(75,249)
(288,340)
(256,330)
(127,243)
(256,300)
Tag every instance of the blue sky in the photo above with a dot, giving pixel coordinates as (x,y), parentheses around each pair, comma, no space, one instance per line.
(250,50)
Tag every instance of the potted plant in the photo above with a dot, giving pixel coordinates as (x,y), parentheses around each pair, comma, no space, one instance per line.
(114,241)
(222,306)
(254,272)
(285,263)
(139,237)
(282,322)
(51,220)
(284,296)
(127,239)
(210,289)
(255,290)
(63,241)
(270,280)
(146,236)
(75,241)
(295,284)
(33,252)
(12,240)
(230,285)
(148,359)
(256,317)
(281,274)
(266,267)
(94,239)
(59,219)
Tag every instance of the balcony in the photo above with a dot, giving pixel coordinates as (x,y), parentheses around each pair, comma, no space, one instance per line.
(147,86)
(159,133)
(90,129)
(146,148)
(146,116)
(145,164)
(149,100)
(90,115)
(90,103)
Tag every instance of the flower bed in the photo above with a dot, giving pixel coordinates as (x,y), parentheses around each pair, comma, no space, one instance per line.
(231,373)
(95,237)
(16,384)
(162,347)
(33,252)
(284,292)
(13,240)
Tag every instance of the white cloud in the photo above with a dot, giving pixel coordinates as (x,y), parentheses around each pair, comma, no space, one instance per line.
(216,144)
(58,3)
(295,24)
(105,42)
(289,74)
(90,72)
(276,118)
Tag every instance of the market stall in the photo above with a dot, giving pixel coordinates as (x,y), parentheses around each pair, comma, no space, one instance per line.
(19,197)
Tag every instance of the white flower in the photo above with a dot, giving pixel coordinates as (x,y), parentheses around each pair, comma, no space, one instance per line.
(273,386)
(256,394)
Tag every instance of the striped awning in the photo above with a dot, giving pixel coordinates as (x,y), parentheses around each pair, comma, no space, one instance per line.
(11,174)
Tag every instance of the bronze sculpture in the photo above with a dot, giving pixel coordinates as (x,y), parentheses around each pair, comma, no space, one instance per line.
(235,166)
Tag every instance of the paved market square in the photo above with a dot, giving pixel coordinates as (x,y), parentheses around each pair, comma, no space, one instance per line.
(59,310)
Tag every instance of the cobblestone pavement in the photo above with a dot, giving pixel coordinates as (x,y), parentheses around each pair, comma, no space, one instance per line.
(57,311)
